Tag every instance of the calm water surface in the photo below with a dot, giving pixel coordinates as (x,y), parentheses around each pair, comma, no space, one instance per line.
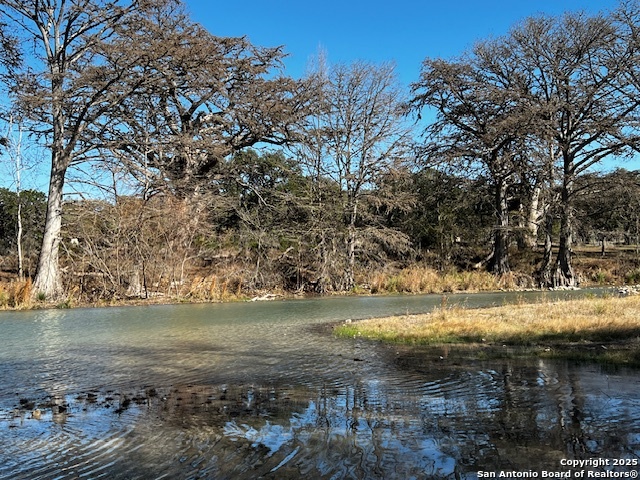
(263,390)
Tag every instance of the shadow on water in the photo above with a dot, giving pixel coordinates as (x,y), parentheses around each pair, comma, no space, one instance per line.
(179,394)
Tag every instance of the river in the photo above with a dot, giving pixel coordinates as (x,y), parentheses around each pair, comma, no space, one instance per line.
(263,390)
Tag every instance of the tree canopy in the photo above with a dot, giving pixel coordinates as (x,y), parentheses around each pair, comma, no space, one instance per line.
(130,75)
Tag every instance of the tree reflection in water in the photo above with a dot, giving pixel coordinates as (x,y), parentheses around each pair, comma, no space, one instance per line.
(434,422)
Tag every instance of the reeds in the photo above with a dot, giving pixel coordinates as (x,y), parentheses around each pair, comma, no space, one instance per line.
(216,288)
(428,280)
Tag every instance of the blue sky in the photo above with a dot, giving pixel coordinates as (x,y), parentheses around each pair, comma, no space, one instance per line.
(405,31)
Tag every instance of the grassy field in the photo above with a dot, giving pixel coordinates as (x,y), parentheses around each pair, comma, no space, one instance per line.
(603,329)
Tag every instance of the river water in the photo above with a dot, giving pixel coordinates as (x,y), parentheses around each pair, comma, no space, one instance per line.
(263,390)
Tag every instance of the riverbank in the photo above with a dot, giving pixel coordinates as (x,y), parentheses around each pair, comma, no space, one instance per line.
(235,282)
(17,294)
(599,329)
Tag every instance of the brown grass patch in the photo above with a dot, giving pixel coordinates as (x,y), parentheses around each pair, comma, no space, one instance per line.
(420,279)
(16,294)
(585,320)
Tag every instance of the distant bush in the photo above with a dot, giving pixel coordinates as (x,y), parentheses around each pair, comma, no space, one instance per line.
(633,277)
(16,294)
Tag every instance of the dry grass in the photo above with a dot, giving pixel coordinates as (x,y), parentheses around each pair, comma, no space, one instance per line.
(214,288)
(586,320)
(619,265)
(419,279)
(16,294)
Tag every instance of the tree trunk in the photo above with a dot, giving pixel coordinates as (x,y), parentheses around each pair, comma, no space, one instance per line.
(533,213)
(563,275)
(48,281)
(351,245)
(500,258)
(545,269)
(351,259)
(19,237)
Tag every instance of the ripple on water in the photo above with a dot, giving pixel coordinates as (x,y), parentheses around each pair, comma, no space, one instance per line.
(363,430)
(271,400)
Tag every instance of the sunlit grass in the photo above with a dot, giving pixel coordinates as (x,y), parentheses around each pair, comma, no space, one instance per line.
(570,322)
(420,279)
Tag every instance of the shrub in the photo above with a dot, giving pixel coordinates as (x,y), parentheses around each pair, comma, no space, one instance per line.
(16,294)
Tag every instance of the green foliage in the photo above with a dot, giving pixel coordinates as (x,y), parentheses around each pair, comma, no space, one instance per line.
(633,277)
(65,304)
(600,277)
(608,206)
(450,212)
(33,210)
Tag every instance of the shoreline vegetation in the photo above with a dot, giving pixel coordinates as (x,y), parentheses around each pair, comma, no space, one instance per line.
(602,329)
(216,288)
(17,294)
(233,283)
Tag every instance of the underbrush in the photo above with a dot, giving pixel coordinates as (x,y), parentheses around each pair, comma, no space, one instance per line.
(233,277)
(16,294)
(423,279)
(217,287)
(618,266)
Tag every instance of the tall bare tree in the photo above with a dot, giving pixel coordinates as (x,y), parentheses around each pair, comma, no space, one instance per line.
(207,97)
(578,69)
(359,136)
(479,125)
(63,85)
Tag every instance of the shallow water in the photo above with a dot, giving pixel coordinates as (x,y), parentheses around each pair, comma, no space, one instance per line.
(262,390)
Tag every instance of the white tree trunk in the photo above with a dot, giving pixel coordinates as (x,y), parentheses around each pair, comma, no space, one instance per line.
(535,213)
(15,149)
(18,191)
(19,239)
(48,281)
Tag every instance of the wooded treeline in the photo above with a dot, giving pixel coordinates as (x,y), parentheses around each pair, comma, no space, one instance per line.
(221,174)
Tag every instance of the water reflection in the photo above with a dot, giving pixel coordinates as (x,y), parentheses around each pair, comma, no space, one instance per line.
(451,424)
(183,392)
